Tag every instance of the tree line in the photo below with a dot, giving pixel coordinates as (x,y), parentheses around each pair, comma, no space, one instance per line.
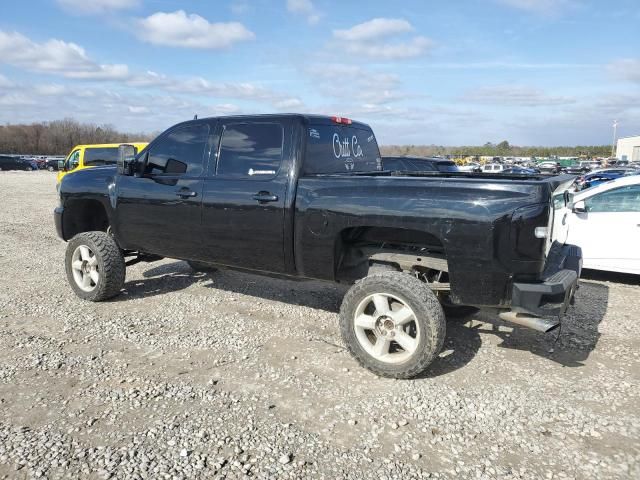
(59,137)
(502,149)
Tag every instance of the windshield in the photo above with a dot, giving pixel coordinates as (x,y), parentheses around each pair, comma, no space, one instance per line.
(340,149)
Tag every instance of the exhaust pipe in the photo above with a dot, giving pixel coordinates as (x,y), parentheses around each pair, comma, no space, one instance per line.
(536,323)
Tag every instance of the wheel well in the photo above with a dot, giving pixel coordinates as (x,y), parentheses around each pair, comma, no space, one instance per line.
(84,216)
(357,248)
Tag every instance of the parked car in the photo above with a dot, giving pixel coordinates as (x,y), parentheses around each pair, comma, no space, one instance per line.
(86,156)
(470,167)
(592,164)
(604,222)
(8,162)
(418,164)
(576,169)
(493,168)
(52,163)
(601,176)
(41,162)
(521,171)
(549,168)
(305,196)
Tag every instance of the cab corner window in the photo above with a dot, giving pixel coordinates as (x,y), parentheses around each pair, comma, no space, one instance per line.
(180,152)
(251,150)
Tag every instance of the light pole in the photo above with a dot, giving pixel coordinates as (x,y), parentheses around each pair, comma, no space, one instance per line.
(613,144)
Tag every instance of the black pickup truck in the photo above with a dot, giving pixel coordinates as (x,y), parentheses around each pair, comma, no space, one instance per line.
(307,196)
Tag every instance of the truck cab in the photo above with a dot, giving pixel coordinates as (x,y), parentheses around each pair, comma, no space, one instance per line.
(86,156)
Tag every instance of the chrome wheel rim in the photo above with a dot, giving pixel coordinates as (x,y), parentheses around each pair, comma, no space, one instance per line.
(386,328)
(84,266)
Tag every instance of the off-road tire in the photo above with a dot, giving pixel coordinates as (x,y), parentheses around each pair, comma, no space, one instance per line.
(111,265)
(201,267)
(419,298)
(381,267)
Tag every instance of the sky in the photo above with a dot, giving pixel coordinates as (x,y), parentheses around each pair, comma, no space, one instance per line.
(421,72)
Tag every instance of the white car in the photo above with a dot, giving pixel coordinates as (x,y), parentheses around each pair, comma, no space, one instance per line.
(470,167)
(492,168)
(605,222)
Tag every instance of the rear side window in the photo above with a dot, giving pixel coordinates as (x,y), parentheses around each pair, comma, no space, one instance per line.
(100,156)
(393,164)
(180,152)
(340,149)
(251,150)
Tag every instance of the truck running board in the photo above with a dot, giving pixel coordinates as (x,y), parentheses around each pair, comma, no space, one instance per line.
(536,323)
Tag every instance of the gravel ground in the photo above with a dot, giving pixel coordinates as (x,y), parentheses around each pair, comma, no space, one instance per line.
(232,375)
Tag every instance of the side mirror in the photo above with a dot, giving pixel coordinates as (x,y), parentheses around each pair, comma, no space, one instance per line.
(579,207)
(60,164)
(126,159)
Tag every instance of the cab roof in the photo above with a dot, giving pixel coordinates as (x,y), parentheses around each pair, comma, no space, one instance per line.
(311,119)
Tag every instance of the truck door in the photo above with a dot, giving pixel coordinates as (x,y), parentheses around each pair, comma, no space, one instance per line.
(159,210)
(244,195)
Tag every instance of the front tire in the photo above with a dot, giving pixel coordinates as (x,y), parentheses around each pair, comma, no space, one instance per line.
(393,324)
(95,266)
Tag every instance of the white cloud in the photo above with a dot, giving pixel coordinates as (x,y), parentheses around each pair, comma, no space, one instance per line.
(626,69)
(139,109)
(177,29)
(305,8)
(54,56)
(514,95)
(356,83)
(290,104)
(374,29)
(369,39)
(240,7)
(390,51)
(96,6)
(50,89)
(16,99)
(5,82)
(544,7)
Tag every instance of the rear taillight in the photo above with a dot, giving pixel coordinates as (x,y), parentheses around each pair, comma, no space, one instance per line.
(342,120)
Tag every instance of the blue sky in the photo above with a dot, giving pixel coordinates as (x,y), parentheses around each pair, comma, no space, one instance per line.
(533,72)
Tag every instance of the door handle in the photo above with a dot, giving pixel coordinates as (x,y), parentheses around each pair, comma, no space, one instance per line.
(264,197)
(186,193)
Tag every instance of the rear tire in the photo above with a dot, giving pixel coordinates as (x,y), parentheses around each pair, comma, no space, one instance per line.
(95,266)
(393,324)
(201,267)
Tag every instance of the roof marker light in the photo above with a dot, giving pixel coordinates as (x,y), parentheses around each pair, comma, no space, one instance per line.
(342,120)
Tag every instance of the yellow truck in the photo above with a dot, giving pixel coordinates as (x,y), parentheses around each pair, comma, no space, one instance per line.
(87,156)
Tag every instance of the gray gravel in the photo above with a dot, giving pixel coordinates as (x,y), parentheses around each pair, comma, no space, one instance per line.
(232,375)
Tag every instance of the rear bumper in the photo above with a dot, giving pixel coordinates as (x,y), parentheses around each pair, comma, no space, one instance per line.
(553,295)
(57,219)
